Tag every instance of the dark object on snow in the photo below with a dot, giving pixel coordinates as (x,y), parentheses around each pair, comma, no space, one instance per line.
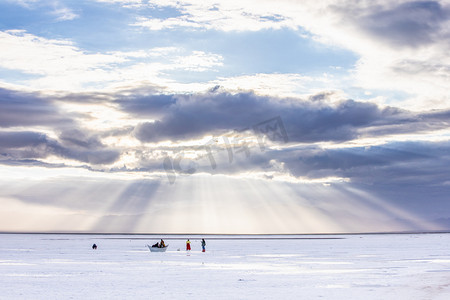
(94,246)
(188,245)
(159,245)
(203,245)
(157,249)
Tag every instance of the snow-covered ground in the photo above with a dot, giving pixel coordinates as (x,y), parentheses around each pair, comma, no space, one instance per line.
(397,266)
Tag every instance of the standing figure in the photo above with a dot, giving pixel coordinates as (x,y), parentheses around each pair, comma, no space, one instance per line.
(188,245)
(94,246)
(203,245)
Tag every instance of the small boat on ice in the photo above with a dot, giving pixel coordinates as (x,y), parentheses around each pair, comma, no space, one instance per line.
(157,249)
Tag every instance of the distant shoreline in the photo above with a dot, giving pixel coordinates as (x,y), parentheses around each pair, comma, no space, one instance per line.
(226,236)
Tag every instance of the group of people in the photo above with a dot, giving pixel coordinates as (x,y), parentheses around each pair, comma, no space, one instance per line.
(188,245)
(160,244)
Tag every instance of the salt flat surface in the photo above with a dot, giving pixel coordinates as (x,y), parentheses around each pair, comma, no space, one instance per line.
(397,266)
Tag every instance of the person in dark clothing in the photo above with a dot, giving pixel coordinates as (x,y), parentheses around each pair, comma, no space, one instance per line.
(94,246)
(203,245)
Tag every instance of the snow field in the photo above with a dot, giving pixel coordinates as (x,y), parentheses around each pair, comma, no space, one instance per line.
(388,266)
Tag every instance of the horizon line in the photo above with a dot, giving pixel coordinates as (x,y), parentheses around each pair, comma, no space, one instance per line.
(224,234)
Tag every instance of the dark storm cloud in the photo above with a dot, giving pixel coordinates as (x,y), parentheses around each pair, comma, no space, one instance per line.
(20,109)
(439,116)
(183,117)
(389,167)
(34,145)
(412,23)
(403,172)
(21,145)
(307,121)
(75,137)
(310,120)
(21,139)
(152,105)
(28,109)
(405,163)
(194,116)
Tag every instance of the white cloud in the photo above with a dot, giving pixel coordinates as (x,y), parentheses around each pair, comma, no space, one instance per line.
(58,9)
(158,24)
(267,84)
(61,65)
(36,55)
(64,14)
(125,3)
(225,15)
(199,61)
(403,45)
(24,3)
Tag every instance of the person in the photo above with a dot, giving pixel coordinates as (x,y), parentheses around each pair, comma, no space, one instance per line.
(203,245)
(162,244)
(94,246)
(188,245)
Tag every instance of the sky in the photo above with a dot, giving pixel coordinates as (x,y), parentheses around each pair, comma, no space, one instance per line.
(141,116)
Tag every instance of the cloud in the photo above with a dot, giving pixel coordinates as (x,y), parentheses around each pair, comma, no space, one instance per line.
(392,165)
(327,138)
(39,128)
(152,106)
(35,145)
(405,162)
(64,13)
(324,161)
(37,55)
(143,119)
(58,9)
(322,150)
(24,3)
(315,119)
(410,24)
(199,61)
(399,22)
(402,45)
(225,16)
(125,3)
(61,65)
(275,84)
(29,109)
(29,145)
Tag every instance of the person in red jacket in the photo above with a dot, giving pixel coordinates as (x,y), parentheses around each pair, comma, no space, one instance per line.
(188,245)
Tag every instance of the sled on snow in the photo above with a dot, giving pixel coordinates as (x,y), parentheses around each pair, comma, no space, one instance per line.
(157,249)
